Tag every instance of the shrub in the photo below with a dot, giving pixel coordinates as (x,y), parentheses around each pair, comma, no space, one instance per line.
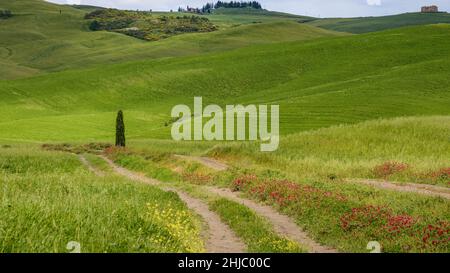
(382,224)
(362,217)
(284,192)
(93,147)
(5,14)
(145,26)
(240,184)
(197,178)
(389,168)
(436,235)
(95,25)
(442,175)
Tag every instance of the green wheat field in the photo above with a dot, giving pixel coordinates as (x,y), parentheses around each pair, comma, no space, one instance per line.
(362,99)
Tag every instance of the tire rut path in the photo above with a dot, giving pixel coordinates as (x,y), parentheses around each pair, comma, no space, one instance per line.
(219,237)
(423,189)
(282,224)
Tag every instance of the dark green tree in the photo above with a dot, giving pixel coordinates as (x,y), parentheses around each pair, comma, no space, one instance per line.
(120,130)
(5,14)
(95,25)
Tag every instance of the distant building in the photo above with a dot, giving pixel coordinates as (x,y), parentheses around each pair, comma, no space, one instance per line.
(430,9)
(192,10)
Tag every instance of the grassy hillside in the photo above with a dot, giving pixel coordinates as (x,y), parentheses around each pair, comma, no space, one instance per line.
(356,151)
(40,39)
(370,24)
(317,83)
(44,37)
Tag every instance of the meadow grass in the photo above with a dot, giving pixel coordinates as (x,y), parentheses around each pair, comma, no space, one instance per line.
(48,199)
(150,168)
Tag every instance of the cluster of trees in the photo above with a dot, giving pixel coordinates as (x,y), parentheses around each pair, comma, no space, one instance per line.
(110,25)
(232,4)
(5,13)
(144,25)
(112,13)
(209,7)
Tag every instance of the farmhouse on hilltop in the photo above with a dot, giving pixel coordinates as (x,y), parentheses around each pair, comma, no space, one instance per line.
(430,9)
(192,10)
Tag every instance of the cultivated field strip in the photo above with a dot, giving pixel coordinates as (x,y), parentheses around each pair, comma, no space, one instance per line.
(220,238)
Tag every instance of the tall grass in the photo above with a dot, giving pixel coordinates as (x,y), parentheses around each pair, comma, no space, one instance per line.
(355,151)
(49,199)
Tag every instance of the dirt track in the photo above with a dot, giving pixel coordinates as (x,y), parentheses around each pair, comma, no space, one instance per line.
(89,166)
(219,237)
(424,189)
(282,224)
(206,161)
(406,187)
(227,241)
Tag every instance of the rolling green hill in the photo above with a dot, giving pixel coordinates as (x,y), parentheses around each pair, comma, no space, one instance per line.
(370,24)
(318,83)
(318,78)
(41,39)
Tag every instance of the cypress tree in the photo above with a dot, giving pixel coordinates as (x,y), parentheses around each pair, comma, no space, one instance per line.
(120,130)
